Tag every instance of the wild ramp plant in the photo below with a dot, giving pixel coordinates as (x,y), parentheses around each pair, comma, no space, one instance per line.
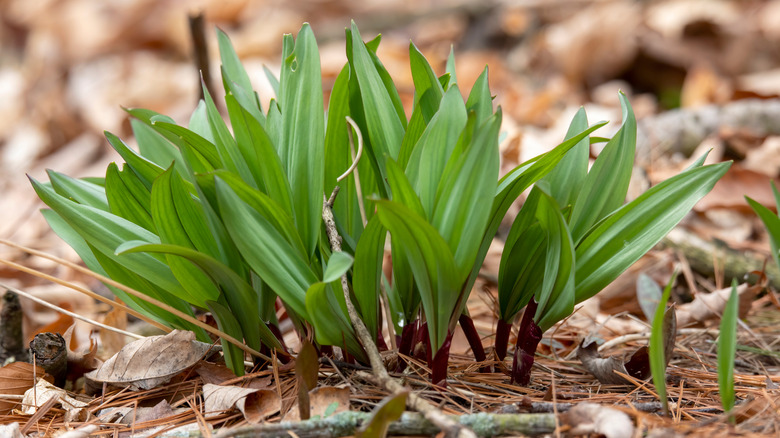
(230,219)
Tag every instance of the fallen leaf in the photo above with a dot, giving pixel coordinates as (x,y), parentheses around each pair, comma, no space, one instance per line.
(112,341)
(590,418)
(709,306)
(15,379)
(149,362)
(255,404)
(307,368)
(43,392)
(638,363)
(389,410)
(213,373)
(324,401)
(81,362)
(730,189)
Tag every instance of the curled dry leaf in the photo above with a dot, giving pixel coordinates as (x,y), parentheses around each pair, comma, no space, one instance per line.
(15,379)
(255,404)
(638,364)
(44,391)
(83,361)
(588,418)
(149,362)
(710,306)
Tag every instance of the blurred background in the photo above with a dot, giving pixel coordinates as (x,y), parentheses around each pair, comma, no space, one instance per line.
(68,66)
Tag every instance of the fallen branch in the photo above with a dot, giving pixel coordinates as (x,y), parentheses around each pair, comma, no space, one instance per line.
(411,423)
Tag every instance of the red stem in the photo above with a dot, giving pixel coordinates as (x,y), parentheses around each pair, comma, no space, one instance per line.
(467,324)
(528,338)
(503,329)
(439,363)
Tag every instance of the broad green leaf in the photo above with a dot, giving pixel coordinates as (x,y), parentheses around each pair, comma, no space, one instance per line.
(622,238)
(463,198)
(480,100)
(235,78)
(451,67)
(555,298)
(384,127)
(338,265)
(567,178)
(366,275)
(179,221)
(106,232)
(268,253)
(414,131)
(260,155)
(727,349)
(430,156)
(605,187)
(427,89)
(401,188)
(199,122)
(146,170)
(331,326)
(388,410)
(772,223)
(123,200)
(431,261)
(657,351)
(199,152)
(154,147)
(229,152)
(227,323)
(239,294)
(301,146)
(79,190)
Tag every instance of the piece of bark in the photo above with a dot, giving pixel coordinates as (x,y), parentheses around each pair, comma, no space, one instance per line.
(11,340)
(411,423)
(51,354)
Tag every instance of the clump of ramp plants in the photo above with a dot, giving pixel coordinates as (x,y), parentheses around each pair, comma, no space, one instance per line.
(226,215)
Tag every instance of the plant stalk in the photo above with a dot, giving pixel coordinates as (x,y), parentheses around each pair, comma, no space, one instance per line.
(503,329)
(528,338)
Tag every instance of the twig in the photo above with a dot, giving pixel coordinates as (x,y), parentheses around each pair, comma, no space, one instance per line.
(69,313)
(380,374)
(410,423)
(200,51)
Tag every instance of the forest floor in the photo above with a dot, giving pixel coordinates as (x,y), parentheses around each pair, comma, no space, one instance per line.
(700,75)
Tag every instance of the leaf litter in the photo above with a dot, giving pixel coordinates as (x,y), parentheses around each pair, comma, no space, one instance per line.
(65,129)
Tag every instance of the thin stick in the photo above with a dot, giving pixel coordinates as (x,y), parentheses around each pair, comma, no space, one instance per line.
(355,160)
(200,50)
(380,374)
(141,296)
(87,292)
(69,313)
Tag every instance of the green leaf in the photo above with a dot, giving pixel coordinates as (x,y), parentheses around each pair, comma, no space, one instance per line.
(239,294)
(772,224)
(431,261)
(367,273)
(604,189)
(657,346)
(331,326)
(301,146)
(401,188)
(338,265)
(567,178)
(79,190)
(227,323)
(617,242)
(384,126)
(269,254)
(199,152)
(260,155)
(235,78)
(463,198)
(428,92)
(480,100)
(388,410)
(146,170)
(156,148)
(451,67)
(128,197)
(727,350)
(430,156)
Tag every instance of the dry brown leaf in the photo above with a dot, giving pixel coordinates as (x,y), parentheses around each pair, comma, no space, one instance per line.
(83,361)
(322,400)
(730,190)
(112,341)
(149,362)
(255,404)
(710,306)
(764,159)
(590,418)
(15,379)
(43,392)
(213,373)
